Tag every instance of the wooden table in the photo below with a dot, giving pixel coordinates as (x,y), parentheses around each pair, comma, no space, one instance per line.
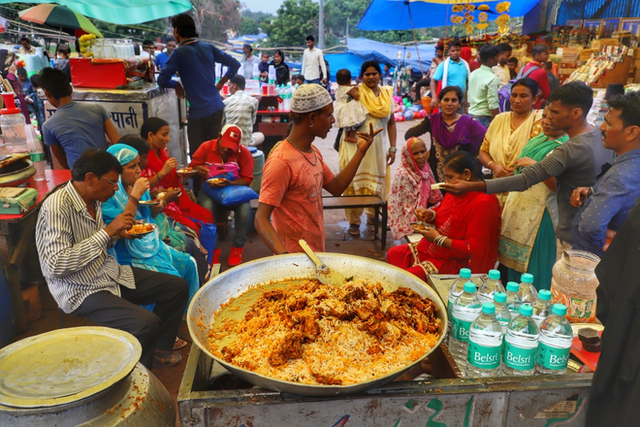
(17,233)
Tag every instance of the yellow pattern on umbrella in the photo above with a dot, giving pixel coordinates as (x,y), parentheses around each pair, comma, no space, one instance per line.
(58,16)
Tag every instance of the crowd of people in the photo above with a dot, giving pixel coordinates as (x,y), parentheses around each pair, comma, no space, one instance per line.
(557,182)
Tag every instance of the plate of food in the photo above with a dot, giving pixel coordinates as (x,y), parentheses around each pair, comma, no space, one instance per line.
(214,181)
(154,202)
(186,171)
(141,229)
(419,226)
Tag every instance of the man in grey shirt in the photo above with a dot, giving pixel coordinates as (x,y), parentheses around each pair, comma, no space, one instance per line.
(576,163)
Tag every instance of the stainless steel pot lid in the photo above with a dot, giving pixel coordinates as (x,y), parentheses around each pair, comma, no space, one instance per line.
(65,365)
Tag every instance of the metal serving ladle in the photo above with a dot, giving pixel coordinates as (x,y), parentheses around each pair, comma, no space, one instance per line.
(326,275)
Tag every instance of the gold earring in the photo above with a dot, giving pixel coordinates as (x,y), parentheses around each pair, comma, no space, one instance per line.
(311,124)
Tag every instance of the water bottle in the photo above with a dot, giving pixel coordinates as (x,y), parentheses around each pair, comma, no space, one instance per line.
(556,337)
(513,300)
(502,311)
(456,290)
(542,307)
(490,287)
(527,293)
(521,344)
(465,310)
(12,123)
(256,72)
(485,344)
(36,152)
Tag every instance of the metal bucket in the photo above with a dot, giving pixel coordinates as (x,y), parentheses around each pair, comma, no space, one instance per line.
(297,266)
(80,376)
(258,159)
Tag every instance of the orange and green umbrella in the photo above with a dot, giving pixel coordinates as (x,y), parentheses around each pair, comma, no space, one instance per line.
(58,16)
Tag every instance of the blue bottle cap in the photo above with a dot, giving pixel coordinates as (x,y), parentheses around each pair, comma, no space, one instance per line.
(494,275)
(513,287)
(469,287)
(544,295)
(488,307)
(500,297)
(526,310)
(465,273)
(527,278)
(560,309)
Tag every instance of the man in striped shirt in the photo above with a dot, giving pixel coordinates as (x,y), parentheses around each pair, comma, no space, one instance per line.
(86,280)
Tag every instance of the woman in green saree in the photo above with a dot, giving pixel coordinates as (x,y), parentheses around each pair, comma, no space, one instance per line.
(527,240)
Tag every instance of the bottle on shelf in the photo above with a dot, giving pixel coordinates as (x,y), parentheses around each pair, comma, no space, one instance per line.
(513,300)
(36,152)
(490,287)
(485,344)
(502,311)
(12,123)
(521,344)
(527,293)
(456,290)
(556,337)
(542,307)
(465,310)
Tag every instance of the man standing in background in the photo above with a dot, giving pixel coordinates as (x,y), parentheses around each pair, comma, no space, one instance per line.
(248,61)
(502,69)
(453,71)
(241,109)
(195,61)
(162,59)
(483,87)
(540,53)
(313,62)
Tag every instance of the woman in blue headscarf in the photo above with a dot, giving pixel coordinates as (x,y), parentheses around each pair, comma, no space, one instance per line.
(148,252)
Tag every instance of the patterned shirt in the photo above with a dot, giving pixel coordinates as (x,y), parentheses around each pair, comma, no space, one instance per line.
(241,109)
(613,195)
(73,250)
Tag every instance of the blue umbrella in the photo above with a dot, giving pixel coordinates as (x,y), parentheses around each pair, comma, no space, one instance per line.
(384,15)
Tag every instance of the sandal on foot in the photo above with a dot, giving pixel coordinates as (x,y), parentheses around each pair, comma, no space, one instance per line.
(354,230)
(165,359)
(179,343)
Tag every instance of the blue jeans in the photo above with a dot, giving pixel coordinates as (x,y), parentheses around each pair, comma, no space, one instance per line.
(242,218)
(484,120)
(317,81)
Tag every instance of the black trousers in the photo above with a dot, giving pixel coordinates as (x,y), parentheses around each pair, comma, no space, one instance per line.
(154,330)
(203,129)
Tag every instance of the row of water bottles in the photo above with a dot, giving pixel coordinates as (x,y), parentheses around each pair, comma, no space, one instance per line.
(507,333)
(286,93)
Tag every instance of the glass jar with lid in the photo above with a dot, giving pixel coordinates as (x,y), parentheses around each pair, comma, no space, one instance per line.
(574,284)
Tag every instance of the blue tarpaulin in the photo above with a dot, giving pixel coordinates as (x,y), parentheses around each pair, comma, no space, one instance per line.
(392,54)
(384,15)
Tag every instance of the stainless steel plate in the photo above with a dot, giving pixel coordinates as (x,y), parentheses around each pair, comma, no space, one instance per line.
(65,365)
(237,280)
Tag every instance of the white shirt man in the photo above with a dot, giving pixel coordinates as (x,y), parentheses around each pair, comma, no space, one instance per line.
(241,109)
(313,62)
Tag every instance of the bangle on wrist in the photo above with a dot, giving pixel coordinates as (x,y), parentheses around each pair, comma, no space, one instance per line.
(133,199)
(433,218)
(392,149)
(489,164)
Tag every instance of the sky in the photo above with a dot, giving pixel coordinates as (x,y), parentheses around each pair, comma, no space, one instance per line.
(269,6)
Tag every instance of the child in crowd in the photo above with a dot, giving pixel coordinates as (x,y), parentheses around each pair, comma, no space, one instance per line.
(298,80)
(263,66)
(349,113)
(62,61)
(411,187)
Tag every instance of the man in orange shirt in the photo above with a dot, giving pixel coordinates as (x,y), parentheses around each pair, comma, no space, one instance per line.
(224,153)
(540,53)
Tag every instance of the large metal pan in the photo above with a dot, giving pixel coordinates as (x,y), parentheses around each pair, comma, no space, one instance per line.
(295,266)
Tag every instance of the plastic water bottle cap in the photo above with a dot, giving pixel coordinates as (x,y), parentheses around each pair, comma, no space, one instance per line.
(488,307)
(513,287)
(465,273)
(469,287)
(494,275)
(526,310)
(500,297)
(527,278)
(544,295)
(559,309)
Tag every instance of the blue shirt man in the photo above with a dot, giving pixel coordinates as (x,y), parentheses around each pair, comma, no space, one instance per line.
(453,71)
(606,205)
(195,61)
(162,59)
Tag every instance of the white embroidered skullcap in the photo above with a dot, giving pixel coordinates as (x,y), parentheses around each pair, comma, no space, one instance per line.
(309,97)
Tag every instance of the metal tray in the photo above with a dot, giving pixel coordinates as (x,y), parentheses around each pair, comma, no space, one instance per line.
(65,365)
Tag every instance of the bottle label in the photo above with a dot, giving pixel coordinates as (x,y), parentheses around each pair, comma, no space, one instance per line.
(460,329)
(553,357)
(37,157)
(520,353)
(482,356)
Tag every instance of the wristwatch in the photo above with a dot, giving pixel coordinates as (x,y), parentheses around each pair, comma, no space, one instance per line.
(392,149)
